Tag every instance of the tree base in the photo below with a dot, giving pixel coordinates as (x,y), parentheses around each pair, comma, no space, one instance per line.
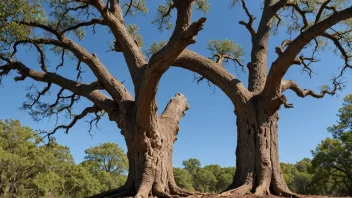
(123,191)
(246,191)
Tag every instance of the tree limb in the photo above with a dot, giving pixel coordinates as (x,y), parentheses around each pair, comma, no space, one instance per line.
(85,112)
(183,35)
(114,20)
(84,24)
(174,111)
(207,68)
(257,66)
(115,88)
(301,12)
(289,84)
(286,59)
(41,26)
(249,24)
(89,91)
(321,9)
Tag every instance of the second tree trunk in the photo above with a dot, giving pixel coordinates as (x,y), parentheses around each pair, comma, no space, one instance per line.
(257,159)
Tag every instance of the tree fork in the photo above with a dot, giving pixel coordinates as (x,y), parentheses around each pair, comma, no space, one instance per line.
(150,160)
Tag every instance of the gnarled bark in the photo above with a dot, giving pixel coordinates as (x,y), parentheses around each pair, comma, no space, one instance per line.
(150,158)
(258,167)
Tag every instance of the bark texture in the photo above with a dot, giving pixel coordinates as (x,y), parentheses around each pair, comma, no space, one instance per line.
(258,167)
(150,136)
(150,158)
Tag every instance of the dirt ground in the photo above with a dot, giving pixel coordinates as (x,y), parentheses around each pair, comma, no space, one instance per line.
(253,196)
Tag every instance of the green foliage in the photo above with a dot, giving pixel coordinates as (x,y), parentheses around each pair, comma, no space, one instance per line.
(202,5)
(133,30)
(15,10)
(31,169)
(108,157)
(298,176)
(330,170)
(204,181)
(164,16)
(345,119)
(154,48)
(183,179)
(108,163)
(135,6)
(211,178)
(225,48)
(28,168)
(333,158)
(192,165)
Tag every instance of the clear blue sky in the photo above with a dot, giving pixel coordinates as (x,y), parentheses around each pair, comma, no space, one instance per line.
(208,131)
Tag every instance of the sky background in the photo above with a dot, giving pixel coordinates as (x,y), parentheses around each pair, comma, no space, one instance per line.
(208,131)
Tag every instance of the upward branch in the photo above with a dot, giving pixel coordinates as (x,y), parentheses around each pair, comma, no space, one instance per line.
(249,24)
(218,75)
(257,66)
(182,36)
(113,17)
(287,58)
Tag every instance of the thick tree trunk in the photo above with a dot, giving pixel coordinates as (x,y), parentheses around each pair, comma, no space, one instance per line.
(150,158)
(257,160)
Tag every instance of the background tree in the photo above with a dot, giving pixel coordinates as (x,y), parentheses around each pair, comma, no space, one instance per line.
(108,163)
(31,169)
(192,165)
(183,179)
(108,157)
(333,157)
(210,178)
(57,27)
(299,176)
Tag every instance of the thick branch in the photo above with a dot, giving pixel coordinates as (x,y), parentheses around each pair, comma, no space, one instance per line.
(257,66)
(114,20)
(161,61)
(286,59)
(232,87)
(289,84)
(89,91)
(115,88)
(174,111)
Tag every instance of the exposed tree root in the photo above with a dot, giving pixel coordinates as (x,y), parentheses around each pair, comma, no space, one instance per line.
(287,193)
(240,191)
(180,192)
(245,190)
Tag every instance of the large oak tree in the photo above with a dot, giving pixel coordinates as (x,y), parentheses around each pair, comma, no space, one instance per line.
(150,136)
(55,26)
